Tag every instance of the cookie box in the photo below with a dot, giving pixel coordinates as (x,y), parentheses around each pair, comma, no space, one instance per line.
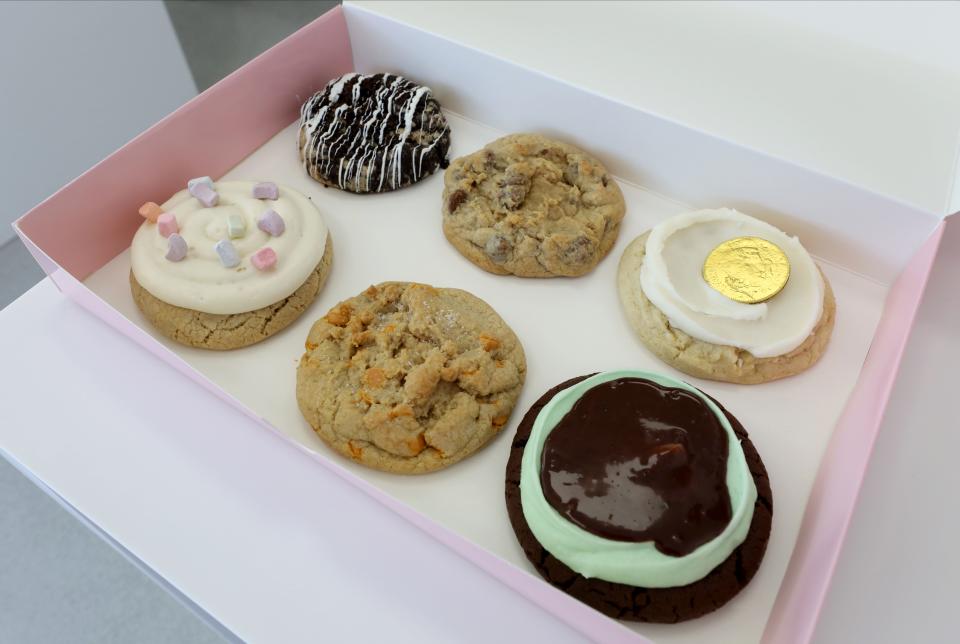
(814,431)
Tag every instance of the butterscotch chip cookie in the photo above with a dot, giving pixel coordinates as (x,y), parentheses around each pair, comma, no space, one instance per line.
(530,206)
(408,378)
(235,330)
(704,359)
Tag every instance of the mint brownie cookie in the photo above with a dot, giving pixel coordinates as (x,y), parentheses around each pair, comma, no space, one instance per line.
(639,495)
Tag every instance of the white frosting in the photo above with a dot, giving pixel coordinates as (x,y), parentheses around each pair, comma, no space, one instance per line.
(672,279)
(200,282)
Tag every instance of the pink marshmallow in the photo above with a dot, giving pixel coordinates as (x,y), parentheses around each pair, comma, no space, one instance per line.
(266,190)
(150,211)
(264,259)
(167,224)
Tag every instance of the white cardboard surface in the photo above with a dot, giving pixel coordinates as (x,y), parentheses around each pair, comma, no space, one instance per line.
(864,91)
(656,152)
(568,328)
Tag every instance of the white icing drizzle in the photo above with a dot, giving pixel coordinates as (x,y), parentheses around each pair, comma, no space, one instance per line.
(346,136)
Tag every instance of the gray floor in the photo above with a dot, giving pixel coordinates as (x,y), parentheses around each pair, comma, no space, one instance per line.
(218,37)
(18,271)
(59,582)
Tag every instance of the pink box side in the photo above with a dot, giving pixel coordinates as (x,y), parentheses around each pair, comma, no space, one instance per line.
(92,219)
(845,461)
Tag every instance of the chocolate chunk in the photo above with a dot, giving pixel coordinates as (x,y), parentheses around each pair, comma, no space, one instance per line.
(498,248)
(513,189)
(456,200)
(579,250)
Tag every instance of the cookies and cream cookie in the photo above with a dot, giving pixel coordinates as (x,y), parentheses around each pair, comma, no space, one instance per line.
(227,264)
(409,378)
(530,206)
(639,495)
(721,295)
(372,133)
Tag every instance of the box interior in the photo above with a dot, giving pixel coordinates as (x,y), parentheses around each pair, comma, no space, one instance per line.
(568,327)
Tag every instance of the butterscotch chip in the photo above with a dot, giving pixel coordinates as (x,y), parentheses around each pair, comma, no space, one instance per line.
(234,330)
(436,379)
(339,315)
(488,343)
(530,206)
(374,377)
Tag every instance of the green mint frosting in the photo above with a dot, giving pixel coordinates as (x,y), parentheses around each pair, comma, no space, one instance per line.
(636,564)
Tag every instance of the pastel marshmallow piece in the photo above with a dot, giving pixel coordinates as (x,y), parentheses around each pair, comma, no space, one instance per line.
(271,223)
(207,195)
(228,254)
(266,190)
(177,248)
(236,226)
(150,211)
(167,224)
(264,259)
(199,181)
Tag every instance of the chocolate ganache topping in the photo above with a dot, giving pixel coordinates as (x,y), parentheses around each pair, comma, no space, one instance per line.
(636,461)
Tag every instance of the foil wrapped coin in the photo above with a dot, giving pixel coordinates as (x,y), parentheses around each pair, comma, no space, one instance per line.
(747,269)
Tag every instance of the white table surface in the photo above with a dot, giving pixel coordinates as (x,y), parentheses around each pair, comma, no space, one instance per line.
(278,549)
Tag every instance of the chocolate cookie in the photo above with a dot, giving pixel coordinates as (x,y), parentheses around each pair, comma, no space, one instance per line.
(409,378)
(530,206)
(372,133)
(621,601)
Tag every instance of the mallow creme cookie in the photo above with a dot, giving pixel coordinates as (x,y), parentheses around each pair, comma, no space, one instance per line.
(372,133)
(721,295)
(224,265)
(638,495)
(531,206)
(409,378)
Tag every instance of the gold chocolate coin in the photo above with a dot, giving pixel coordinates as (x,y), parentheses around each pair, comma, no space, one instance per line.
(747,269)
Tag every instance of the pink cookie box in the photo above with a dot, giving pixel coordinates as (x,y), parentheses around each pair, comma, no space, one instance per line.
(88,223)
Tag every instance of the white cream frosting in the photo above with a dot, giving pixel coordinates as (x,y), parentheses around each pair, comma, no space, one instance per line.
(200,282)
(672,279)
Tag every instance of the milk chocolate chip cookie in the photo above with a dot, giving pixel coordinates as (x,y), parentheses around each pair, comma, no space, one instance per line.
(530,206)
(409,378)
